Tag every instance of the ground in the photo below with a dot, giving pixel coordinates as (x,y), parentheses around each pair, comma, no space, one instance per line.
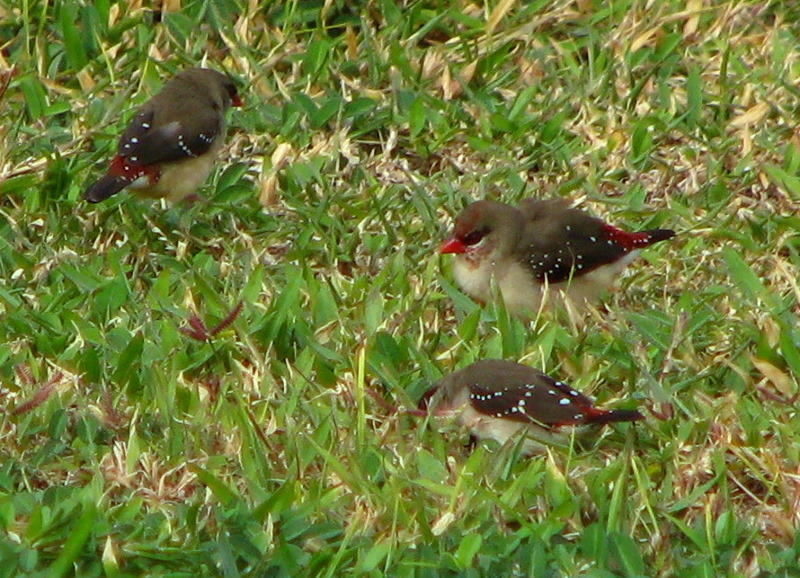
(193,390)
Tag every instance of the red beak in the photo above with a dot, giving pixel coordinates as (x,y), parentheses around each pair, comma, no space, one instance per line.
(453,246)
(237,100)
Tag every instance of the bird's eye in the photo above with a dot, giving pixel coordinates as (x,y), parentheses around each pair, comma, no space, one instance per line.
(474,237)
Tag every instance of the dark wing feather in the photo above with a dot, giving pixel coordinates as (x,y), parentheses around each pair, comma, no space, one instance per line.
(559,243)
(145,144)
(137,129)
(529,395)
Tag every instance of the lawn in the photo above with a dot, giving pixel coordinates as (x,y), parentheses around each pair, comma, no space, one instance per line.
(193,390)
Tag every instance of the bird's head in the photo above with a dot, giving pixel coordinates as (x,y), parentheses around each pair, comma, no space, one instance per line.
(219,87)
(484,228)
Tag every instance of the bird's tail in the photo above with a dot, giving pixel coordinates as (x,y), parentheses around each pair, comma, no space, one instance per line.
(656,235)
(107,186)
(601,416)
(632,241)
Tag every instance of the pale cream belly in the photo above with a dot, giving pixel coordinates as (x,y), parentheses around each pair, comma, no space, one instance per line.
(522,294)
(520,291)
(181,179)
(534,439)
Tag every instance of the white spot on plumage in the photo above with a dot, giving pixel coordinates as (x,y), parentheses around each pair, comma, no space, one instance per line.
(564,401)
(183,146)
(145,125)
(134,140)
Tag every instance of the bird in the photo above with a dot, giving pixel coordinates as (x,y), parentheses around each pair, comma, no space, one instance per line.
(536,246)
(169,148)
(508,401)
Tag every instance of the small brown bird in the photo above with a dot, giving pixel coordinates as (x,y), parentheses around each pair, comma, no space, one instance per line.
(538,245)
(503,400)
(169,148)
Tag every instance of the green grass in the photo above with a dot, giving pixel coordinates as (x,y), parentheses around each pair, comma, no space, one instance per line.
(131,447)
